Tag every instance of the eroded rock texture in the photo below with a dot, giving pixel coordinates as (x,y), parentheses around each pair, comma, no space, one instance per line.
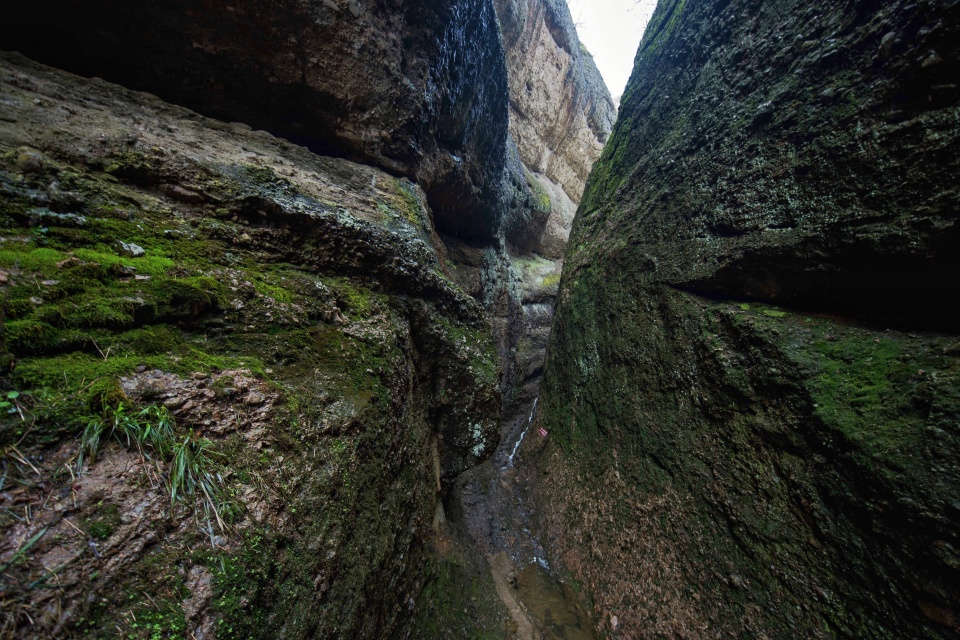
(419,89)
(751,391)
(561,114)
(291,314)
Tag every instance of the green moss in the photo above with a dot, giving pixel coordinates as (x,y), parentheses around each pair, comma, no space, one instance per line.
(409,205)
(153,340)
(28,257)
(873,391)
(154,266)
(237,582)
(458,601)
(188,298)
(479,347)
(24,336)
(275,291)
(88,376)
(104,522)
(168,622)
(359,301)
(141,603)
(860,390)
(541,198)
(551,279)
(662,25)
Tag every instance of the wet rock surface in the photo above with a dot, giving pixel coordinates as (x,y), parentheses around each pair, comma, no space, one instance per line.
(289,313)
(417,89)
(750,389)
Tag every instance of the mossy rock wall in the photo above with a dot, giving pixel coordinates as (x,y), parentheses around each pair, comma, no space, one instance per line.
(289,308)
(751,387)
(417,89)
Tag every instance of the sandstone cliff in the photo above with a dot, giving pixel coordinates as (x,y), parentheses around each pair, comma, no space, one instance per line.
(561,113)
(751,391)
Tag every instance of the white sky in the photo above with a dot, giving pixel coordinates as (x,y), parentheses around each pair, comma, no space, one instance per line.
(611,30)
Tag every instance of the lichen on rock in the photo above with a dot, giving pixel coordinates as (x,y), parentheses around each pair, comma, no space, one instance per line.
(754,353)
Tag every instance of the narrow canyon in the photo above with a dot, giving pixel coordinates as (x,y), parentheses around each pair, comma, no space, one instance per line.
(363,319)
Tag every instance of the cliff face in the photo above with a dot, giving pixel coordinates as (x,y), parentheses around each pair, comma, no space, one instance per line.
(561,113)
(241,379)
(751,391)
(556,133)
(280,377)
(418,89)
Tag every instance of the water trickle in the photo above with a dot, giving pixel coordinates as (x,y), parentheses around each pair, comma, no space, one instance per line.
(516,446)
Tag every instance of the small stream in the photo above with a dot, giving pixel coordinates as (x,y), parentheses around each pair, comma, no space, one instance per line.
(496,504)
(522,435)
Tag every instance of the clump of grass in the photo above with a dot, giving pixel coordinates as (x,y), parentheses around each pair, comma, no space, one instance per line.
(190,475)
(151,430)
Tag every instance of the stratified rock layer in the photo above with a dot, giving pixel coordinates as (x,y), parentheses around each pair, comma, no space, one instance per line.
(288,310)
(419,89)
(561,114)
(751,391)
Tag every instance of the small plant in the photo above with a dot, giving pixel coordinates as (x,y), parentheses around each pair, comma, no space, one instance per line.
(9,401)
(189,475)
(151,429)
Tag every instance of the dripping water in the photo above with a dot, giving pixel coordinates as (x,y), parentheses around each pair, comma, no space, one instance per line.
(522,435)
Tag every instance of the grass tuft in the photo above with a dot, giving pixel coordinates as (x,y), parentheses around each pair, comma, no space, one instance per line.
(151,430)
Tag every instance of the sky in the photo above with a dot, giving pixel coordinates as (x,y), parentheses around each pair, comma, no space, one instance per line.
(611,30)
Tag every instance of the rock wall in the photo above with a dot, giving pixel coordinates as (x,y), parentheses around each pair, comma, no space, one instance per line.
(418,89)
(751,390)
(556,133)
(561,114)
(276,325)
(240,379)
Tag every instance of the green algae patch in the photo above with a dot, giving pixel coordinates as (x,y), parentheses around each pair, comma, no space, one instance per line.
(458,600)
(875,390)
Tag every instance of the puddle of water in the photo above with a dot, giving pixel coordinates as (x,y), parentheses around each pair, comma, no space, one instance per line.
(554,605)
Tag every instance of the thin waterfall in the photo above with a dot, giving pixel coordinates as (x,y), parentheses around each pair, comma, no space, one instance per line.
(522,435)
